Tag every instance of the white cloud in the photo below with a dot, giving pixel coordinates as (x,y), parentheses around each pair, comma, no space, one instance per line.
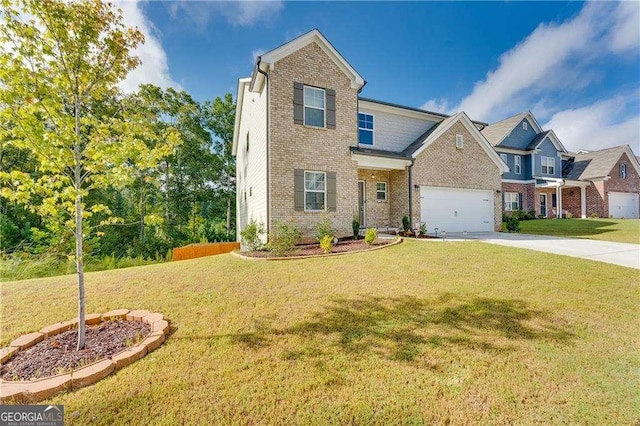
(597,126)
(236,13)
(255,54)
(154,68)
(627,24)
(436,105)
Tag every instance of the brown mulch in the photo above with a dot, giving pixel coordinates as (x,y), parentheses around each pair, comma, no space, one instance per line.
(57,354)
(314,249)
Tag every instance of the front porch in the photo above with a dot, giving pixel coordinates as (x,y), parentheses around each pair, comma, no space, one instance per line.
(550,199)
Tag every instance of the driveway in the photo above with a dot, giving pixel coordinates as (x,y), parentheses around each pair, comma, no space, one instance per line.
(622,254)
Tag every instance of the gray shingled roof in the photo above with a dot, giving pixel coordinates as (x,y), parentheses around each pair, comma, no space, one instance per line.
(415,145)
(496,132)
(380,153)
(593,164)
(534,143)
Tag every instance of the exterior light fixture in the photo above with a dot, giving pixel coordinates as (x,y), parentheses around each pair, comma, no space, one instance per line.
(436,231)
(444,235)
(464,234)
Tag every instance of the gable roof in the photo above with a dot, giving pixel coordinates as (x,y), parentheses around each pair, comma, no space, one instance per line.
(427,138)
(552,137)
(267,60)
(597,164)
(497,132)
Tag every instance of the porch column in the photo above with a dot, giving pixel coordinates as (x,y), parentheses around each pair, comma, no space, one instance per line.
(583,202)
(558,201)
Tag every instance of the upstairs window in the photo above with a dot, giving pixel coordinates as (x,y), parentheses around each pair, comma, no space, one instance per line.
(365,129)
(314,191)
(459,141)
(548,165)
(525,125)
(313,106)
(381,191)
(517,164)
(622,171)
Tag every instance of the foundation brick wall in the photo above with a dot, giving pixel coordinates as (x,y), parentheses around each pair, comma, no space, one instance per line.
(377,212)
(399,203)
(441,164)
(295,146)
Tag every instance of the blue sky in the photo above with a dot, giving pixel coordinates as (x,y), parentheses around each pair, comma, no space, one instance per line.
(575,65)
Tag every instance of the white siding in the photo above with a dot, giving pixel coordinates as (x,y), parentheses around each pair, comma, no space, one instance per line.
(394,132)
(251,166)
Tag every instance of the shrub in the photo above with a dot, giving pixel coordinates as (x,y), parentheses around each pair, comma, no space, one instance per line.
(593,215)
(423,228)
(326,243)
(532,214)
(370,236)
(251,235)
(283,237)
(405,223)
(323,228)
(355,227)
(569,215)
(513,224)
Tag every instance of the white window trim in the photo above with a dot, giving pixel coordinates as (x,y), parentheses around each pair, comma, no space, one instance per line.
(386,192)
(304,183)
(525,125)
(304,107)
(622,171)
(552,164)
(508,203)
(459,141)
(517,164)
(504,158)
(373,134)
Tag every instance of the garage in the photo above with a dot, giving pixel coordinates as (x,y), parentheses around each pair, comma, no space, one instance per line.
(623,205)
(456,209)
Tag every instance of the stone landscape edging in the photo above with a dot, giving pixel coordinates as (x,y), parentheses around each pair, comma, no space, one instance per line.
(241,256)
(32,391)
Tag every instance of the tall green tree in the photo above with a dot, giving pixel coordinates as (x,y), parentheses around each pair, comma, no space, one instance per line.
(60,62)
(220,117)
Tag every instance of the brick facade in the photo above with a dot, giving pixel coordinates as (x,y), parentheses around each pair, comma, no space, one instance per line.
(442,164)
(528,191)
(301,147)
(377,211)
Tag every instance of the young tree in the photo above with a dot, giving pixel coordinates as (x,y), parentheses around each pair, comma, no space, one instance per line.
(60,63)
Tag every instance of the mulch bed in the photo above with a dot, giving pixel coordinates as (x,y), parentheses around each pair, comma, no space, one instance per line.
(314,249)
(58,354)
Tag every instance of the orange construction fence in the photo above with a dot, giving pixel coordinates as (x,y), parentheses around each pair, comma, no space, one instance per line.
(203,249)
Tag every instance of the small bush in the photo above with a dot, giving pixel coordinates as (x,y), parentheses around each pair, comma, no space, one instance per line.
(593,215)
(569,215)
(423,229)
(532,214)
(251,235)
(283,237)
(323,228)
(513,224)
(405,223)
(355,227)
(370,236)
(326,244)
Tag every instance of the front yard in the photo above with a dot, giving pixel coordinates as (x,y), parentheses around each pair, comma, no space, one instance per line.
(422,332)
(617,230)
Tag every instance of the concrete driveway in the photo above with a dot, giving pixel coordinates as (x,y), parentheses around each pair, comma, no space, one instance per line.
(622,254)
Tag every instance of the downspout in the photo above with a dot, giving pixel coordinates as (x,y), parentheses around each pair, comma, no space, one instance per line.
(266,76)
(410,180)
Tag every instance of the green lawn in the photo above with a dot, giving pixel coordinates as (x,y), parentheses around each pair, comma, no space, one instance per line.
(423,332)
(618,230)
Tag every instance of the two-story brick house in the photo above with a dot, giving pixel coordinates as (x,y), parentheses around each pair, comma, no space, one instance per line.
(306,146)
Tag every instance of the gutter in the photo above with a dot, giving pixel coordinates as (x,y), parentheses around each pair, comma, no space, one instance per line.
(266,76)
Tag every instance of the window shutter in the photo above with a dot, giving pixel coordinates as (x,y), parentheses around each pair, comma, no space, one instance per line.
(298,103)
(520,201)
(298,188)
(331,191)
(331,108)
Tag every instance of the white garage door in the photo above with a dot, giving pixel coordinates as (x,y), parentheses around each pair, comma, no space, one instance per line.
(456,210)
(623,205)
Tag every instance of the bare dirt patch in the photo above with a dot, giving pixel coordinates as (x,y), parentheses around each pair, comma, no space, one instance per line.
(57,354)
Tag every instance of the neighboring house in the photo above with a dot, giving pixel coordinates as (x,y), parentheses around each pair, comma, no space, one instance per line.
(307,146)
(544,177)
(613,177)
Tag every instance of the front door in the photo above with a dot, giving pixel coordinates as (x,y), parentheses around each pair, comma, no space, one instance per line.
(361,202)
(543,205)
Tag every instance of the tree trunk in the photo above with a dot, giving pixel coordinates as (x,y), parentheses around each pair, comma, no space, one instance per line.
(228,216)
(143,212)
(79,235)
